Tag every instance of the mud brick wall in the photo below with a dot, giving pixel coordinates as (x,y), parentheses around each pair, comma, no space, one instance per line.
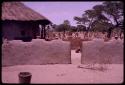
(36,52)
(98,51)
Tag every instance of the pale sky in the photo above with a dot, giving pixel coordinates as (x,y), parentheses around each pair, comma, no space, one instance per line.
(57,12)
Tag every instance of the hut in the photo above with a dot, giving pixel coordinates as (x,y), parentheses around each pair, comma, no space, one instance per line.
(19,20)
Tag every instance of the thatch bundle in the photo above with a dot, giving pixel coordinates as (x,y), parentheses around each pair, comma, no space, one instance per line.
(18,11)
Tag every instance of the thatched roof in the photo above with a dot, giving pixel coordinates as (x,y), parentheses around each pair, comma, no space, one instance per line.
(18,11)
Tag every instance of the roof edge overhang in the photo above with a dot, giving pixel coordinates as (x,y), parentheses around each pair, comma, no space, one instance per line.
(43,22)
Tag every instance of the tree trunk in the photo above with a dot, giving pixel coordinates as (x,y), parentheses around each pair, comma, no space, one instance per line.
(111,28)
(109,32)
(117,24)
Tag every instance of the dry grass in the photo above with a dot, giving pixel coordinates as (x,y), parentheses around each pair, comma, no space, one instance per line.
(96,67)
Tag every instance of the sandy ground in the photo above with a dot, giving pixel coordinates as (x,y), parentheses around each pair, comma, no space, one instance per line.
(76,57)
(64,73)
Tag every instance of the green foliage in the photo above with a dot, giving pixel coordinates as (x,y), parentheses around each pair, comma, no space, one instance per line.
(73,29)
(65,26)
(101,26)
(81,28)
(114,9)
(98,18)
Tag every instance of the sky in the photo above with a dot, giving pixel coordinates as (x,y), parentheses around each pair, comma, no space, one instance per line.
(57,12)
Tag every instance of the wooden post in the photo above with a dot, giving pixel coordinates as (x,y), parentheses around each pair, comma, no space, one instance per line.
(44,32)
(40,30)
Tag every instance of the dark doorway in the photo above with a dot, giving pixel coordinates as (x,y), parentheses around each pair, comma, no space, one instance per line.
(23,33)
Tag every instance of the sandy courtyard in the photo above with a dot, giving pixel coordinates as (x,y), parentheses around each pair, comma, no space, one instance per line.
(64,73)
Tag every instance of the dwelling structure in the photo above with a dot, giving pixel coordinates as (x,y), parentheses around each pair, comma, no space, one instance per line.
(19,20)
